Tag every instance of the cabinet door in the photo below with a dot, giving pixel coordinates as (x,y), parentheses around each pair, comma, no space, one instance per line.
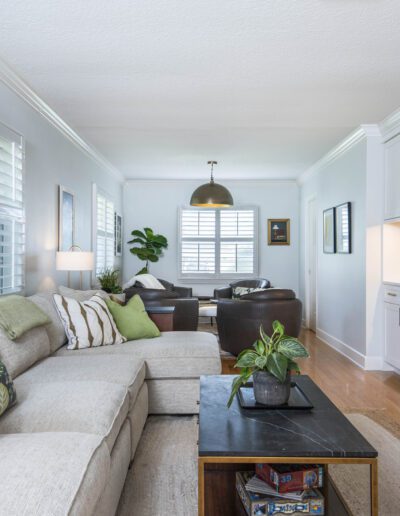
(392,334)
(392,179)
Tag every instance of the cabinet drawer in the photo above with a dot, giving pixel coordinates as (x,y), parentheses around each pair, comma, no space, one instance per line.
(392,295)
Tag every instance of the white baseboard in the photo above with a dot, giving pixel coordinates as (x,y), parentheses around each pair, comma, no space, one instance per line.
(344,349)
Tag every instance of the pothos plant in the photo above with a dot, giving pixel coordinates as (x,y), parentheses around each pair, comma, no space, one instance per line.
(275,354)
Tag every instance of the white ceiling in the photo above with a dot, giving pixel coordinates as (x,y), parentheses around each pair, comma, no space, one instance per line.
(265,87)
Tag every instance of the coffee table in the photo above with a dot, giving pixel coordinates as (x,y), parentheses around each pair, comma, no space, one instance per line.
(235,439)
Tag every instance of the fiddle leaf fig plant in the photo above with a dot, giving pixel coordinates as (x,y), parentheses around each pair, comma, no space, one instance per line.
(275,354)
(148,246)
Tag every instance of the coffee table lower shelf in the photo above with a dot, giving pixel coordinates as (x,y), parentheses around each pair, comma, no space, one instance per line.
(217,491)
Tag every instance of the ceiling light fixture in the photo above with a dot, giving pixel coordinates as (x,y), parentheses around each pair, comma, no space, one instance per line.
(211,195)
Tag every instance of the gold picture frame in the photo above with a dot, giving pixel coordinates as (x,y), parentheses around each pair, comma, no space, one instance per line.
(278,231)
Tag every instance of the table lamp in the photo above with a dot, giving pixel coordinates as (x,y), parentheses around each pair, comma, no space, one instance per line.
(74,260)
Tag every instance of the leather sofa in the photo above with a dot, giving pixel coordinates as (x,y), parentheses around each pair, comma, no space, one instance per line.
(66,445)
(239,320)
(226,292)
(186,313)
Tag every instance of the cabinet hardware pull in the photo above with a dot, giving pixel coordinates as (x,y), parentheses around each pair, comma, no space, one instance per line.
(391,294)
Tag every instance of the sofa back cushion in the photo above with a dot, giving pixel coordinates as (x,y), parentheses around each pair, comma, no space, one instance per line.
(55,330)
(20,354)
(80,295)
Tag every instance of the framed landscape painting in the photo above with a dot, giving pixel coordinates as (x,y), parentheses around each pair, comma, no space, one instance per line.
(66,219)
(278,231)
(343,228)
(329,231)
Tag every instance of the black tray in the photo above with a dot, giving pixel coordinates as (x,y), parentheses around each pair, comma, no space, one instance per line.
(297,400)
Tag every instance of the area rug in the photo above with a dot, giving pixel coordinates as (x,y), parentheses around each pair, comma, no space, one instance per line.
(163,479)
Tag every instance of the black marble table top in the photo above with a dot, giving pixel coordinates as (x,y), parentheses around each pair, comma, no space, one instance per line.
(320,432)
(160,309)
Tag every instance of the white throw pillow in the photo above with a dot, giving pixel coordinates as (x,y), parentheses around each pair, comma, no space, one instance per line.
(147,280)
(238,292)
(87,323)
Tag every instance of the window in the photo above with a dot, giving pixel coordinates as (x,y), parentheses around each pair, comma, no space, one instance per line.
(104,234)
(12,215)
(218,243)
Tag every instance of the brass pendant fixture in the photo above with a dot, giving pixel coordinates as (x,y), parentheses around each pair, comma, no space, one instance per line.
(211,195)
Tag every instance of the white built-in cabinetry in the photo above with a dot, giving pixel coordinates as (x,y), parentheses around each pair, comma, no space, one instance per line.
(392,179)
(392,325)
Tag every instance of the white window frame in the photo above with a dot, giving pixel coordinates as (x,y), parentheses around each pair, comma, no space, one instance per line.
(16,215)
(218,276)
(96,192)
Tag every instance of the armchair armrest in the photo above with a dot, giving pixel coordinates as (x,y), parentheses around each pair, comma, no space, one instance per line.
(223,293)
(184,291)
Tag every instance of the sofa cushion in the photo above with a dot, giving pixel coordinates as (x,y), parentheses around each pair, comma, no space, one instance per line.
(132,319)
(175,354)
(122,370)
(52,474)
(80,295)
(19,315)
(19,354)
(55,330)
(8,396)
(97,408)
(87,323)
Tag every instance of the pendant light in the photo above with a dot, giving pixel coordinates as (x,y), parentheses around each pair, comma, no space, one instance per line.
(211,195)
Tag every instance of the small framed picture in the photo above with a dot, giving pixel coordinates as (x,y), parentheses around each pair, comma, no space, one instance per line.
(343,228)
(118,234)
(278,231)
(329,231)
(66,218)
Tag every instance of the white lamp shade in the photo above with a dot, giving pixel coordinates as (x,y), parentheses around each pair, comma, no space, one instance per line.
(74,261)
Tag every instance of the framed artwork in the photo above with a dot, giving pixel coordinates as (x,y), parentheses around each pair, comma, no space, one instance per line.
(343,228)
(329,231)
(278,231)
(66,218)
(118,234)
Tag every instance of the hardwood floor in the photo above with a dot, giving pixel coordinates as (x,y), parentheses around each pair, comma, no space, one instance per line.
(351,388)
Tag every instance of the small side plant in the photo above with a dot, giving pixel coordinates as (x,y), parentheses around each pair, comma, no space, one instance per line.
(109,281)
(275,354)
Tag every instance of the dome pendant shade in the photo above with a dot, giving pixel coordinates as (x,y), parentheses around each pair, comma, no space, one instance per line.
(211,195)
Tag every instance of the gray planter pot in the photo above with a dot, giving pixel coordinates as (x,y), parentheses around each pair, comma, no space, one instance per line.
(269,391)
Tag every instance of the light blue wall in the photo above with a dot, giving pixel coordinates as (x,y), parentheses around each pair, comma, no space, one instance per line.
(155,204)
(51,160)
(341,278)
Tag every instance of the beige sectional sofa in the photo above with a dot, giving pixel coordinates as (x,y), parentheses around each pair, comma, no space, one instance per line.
(66,445)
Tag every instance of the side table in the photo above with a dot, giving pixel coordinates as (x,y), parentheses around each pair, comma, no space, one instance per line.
(162,316)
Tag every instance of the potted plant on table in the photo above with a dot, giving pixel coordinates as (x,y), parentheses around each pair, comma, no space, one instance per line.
(109,281)
(270,362)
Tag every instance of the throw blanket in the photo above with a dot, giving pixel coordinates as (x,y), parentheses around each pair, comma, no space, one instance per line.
(19,315)
(147,280)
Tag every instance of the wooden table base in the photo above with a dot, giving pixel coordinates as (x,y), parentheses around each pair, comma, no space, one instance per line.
(217,482)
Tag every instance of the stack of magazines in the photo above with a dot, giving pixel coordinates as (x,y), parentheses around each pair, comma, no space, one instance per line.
(260,498)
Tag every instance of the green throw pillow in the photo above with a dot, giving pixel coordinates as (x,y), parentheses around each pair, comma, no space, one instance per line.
(132,320)
(7,392)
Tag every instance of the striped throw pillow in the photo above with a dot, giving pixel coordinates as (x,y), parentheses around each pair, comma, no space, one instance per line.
(87,323)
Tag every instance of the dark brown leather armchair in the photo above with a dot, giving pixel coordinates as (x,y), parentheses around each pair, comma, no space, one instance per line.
(186,313)
(239,320)
(226,292)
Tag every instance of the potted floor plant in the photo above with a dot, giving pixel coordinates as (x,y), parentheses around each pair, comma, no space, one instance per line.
(270,362)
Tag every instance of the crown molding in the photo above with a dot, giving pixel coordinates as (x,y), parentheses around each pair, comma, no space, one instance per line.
(390,126)
(13,81)
(356,136)
(205,179)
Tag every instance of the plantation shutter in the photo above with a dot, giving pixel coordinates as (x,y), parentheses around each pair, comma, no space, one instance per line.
(12,215)
(218,242)
(237,241)
(198,241)
(105,244)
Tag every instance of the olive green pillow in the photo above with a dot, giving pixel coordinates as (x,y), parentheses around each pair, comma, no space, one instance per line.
(7,392)
(132,320)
